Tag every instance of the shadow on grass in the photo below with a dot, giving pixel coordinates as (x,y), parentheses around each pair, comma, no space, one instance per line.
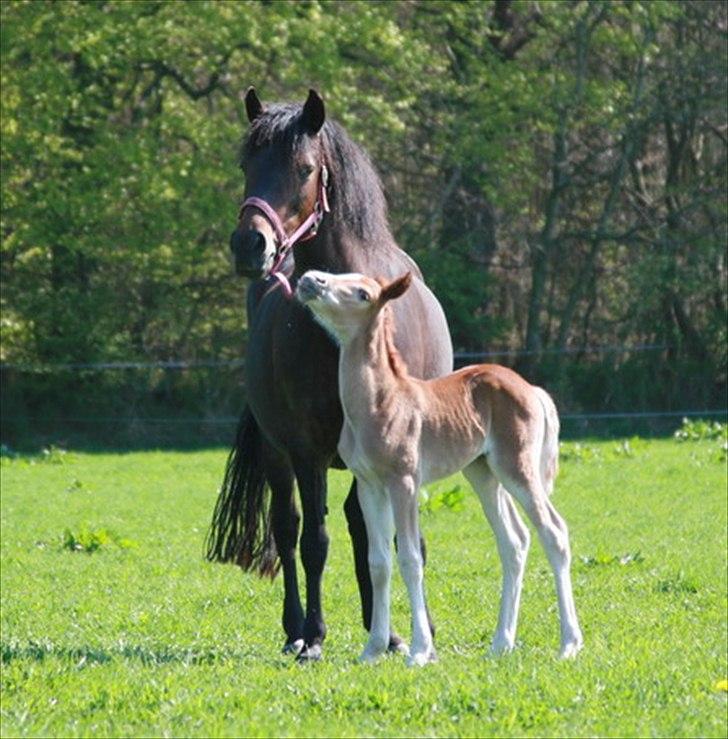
(40,651)
(187,435)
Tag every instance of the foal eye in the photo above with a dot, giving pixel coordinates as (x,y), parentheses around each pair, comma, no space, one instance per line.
(364,295)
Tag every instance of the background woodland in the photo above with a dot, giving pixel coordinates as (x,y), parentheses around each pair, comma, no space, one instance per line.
(557,169)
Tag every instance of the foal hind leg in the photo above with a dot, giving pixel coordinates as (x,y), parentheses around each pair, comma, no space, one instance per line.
(512,539)
(403,496)
(377,513)
(285,521)
(521,478)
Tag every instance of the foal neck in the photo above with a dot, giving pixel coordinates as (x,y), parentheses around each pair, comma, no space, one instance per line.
(370,363)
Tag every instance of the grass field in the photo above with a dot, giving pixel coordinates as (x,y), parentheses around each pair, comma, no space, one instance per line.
(140,636)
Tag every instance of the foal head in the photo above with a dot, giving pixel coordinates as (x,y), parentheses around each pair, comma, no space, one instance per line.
(347,304)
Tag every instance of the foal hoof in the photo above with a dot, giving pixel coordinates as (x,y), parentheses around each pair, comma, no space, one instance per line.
(311,653)
(500,647)
(293,647)
(373,652)
(420,659)
(571,649)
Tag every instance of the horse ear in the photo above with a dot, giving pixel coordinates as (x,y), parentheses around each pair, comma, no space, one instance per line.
(314,113)
(253,106)
(395,288)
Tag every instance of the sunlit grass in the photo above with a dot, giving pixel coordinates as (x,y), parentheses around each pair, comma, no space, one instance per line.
(113,624)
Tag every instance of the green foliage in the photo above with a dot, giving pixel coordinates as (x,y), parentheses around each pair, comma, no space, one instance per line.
(578,452)
(559,172)
(441,496)
(55,455)
(678,584)
(701,430)
(154,641)
(611,559)
(91,540)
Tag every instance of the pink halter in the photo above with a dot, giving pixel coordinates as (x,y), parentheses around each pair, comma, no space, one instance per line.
(307,230)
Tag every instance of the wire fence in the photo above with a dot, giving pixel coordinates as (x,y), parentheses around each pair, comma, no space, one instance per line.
(214,417)
(185,364)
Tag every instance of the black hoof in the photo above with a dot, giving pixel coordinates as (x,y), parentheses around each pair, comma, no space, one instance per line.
(397,645)
(293,647)
(310,653)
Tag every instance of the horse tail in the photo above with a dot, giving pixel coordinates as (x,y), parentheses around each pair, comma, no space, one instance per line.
(550,448)
(240,531)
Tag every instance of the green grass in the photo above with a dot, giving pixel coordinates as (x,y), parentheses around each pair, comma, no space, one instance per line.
(113,624)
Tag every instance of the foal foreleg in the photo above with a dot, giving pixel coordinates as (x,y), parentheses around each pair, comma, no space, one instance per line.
(512,539)
(377,512)
(360,546)
(403,494)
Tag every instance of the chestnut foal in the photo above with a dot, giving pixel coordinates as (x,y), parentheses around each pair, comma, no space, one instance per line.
(400,432)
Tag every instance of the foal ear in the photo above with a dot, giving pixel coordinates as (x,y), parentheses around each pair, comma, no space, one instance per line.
(395,288)
(253,106)
(314,113)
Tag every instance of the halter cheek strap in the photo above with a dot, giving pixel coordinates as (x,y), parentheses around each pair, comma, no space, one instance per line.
(307,230)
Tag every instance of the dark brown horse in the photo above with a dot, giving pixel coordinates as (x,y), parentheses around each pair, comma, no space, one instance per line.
(305,181)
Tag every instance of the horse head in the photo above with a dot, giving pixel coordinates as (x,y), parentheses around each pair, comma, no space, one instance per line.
(285,183)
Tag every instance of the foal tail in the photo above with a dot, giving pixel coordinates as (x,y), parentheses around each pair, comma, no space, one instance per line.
(240,531)
(550,449)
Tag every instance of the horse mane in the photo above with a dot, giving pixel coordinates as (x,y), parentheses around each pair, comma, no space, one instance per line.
(356,196)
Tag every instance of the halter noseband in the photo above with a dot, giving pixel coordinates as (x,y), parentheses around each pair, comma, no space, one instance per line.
(307,230)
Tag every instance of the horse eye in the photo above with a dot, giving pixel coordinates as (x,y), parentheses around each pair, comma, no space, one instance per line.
(304,171)
(364,295)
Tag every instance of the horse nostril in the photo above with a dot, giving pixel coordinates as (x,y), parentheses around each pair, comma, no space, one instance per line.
(319,280)
(254,241)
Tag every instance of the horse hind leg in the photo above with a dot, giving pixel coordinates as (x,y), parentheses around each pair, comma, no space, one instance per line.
(285,521)
(512,539)
(521,477)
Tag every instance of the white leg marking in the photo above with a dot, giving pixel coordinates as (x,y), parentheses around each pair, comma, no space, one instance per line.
(526,486)
(380,529)
(404,504)
(512,539)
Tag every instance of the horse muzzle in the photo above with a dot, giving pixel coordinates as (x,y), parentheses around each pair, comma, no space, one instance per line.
(253,256)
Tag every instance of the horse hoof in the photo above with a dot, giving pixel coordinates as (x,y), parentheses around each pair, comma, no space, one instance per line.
(397,645)
(293,647)
(310,653)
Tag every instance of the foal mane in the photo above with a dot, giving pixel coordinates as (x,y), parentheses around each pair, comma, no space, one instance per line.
(396,362)
(355,190)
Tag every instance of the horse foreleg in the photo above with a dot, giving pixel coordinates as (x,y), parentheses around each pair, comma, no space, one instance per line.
(314,549)
(360,546)
(285,521)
